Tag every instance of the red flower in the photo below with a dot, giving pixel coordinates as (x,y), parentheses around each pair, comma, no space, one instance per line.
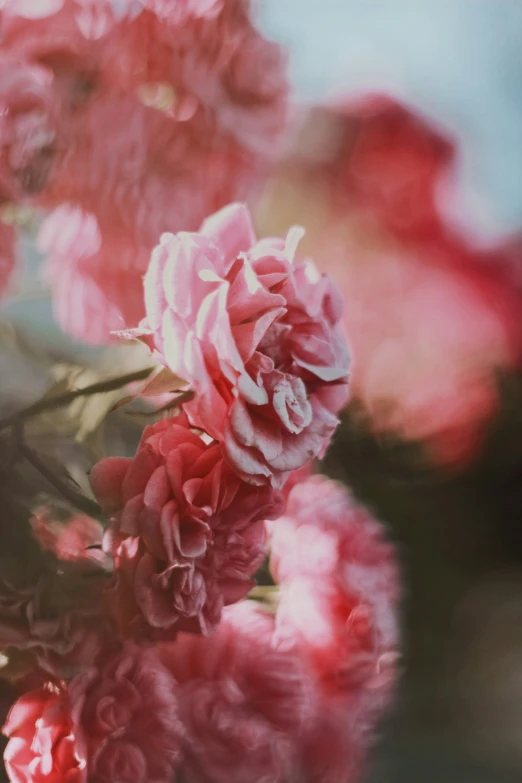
(125,716)
(42,745)
(242,703)
(187,533)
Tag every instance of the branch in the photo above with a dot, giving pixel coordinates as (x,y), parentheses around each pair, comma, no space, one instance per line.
(82,502)
(60,400)
(181,399)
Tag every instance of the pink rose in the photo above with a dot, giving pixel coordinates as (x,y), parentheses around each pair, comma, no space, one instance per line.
(257,336)
(42,741)
(186,532)
(125,715)
(243,704)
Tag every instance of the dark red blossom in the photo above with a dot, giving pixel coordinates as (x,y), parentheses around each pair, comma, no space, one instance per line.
(186,532)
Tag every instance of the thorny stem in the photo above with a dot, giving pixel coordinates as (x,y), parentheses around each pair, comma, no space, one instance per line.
(51,403)
(16,421)
(82,502)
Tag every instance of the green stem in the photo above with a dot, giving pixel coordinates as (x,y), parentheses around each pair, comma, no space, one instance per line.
(78,500)
(51,403)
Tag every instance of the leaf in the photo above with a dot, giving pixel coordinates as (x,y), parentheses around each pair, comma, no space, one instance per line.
(55,467)
(175,402)
(162,382)
(82,401)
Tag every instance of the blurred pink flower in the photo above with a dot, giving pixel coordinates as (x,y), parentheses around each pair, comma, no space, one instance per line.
(316,510)
(31,9)
(146,172)
(243,82)
(343,632)
(337,741)
(116,192)
(257,336)
(445,391)
(178,13)
(103,137)
(42,741)
(339,581)
(76,40)
(28,128)
(338,609)
(186,532)
(431,317)
(243,704)
(96,279)
(217,62)
(393,164)
(73,538)
(125,717)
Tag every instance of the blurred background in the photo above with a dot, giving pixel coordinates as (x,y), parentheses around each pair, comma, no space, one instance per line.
(457,65)
(412,201)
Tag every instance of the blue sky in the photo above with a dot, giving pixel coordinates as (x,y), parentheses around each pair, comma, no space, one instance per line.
(458,60)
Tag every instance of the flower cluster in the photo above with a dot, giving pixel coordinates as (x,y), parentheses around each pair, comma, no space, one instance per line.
(118,720)
(127,120)
(141,646)
(157,667)
(279,697)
